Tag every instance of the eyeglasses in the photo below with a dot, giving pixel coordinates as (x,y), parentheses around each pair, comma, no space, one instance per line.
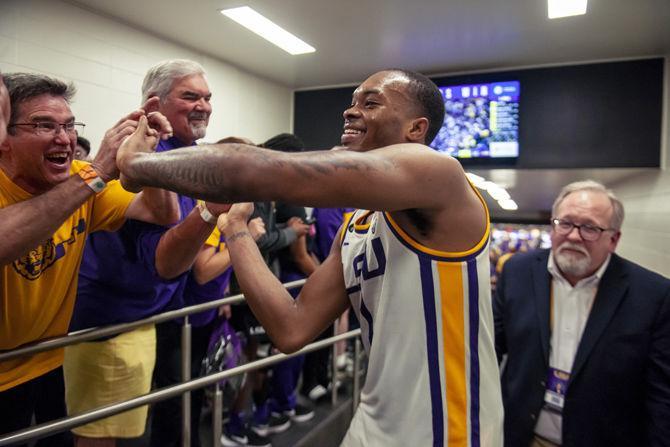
(586,231)
(52,129)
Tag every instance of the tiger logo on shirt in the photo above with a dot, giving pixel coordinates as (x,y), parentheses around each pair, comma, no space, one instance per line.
(36,261)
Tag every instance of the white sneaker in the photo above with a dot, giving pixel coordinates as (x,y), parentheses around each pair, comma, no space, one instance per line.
(317,392)
(247,438)
(300,413)
(341,361)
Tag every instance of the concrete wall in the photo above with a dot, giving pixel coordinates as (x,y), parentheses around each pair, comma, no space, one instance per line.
(107,61)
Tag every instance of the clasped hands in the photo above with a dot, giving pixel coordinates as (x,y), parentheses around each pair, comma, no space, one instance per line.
(146,123)
(138,133)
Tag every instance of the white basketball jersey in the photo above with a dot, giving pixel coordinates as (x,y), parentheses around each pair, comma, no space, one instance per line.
(427,326)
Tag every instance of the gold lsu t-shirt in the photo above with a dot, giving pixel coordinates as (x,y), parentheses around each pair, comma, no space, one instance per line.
(37,291)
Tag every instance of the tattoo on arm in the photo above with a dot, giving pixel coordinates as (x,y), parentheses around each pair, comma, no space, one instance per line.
(315,166)
(223,173)
(238,235)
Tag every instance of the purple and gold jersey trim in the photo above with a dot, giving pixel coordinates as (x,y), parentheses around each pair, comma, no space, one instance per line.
(409,242)
(437,255)
(345,226)
(454,373)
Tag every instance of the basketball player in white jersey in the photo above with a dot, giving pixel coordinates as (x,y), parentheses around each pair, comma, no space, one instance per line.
(414,267)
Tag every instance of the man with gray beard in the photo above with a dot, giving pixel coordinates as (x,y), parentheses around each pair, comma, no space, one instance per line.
(586,334)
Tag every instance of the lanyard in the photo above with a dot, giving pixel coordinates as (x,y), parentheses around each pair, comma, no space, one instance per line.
(551,306)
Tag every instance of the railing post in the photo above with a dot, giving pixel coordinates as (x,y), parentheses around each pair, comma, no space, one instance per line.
(186,376)
(333,366)
(217,415)
(357,373)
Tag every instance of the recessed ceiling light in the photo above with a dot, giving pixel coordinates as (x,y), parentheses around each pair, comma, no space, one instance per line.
(268,30)
(508,204)
(497,192)
(476,180)
(566,8)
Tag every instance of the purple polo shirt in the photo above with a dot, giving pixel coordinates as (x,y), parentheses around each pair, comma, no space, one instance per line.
(203,293)
(328,221)
(118,281)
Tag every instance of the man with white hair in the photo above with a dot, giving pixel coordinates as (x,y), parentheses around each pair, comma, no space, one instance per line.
(134,273)
(586,334)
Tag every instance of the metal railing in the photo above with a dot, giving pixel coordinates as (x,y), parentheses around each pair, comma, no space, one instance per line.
(186,386)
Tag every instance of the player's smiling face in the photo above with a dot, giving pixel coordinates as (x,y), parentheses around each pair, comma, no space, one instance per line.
(380,113)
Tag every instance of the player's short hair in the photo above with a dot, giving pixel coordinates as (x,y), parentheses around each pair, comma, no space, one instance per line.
(428,99)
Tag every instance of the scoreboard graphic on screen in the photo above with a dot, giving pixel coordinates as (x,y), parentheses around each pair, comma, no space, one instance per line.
(481,121)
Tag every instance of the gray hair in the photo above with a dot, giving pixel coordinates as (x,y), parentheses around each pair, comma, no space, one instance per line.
(592,185)
(159,79)
(25,86)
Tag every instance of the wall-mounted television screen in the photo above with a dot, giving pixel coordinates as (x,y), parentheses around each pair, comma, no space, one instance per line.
(481,122)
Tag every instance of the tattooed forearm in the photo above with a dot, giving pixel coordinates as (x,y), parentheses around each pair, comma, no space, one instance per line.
(330,162)
(229,173)
(204,173)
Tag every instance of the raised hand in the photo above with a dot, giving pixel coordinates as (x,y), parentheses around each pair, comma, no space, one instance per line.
(300,227)
(217,208)
(238,213)
(105,160)
(157,120)
(256,228)
(142,140)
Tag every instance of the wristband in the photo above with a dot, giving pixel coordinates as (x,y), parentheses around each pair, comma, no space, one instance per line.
(91,178)
(206,215)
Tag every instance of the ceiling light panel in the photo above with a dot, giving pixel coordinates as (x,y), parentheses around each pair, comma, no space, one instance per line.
(566,8)
(268,30)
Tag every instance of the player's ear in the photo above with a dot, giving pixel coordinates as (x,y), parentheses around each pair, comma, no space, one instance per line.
(417,130)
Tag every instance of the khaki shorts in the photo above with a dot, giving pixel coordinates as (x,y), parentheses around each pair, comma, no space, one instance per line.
(110,371)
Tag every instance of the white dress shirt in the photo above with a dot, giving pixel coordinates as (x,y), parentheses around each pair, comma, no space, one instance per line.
(570,309)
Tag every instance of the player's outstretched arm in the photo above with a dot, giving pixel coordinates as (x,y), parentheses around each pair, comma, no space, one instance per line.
(291,324)
(390,178)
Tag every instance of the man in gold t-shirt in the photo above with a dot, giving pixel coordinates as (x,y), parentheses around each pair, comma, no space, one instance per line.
(48,205)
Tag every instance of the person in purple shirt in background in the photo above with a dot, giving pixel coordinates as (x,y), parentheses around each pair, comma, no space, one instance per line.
(136,272)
